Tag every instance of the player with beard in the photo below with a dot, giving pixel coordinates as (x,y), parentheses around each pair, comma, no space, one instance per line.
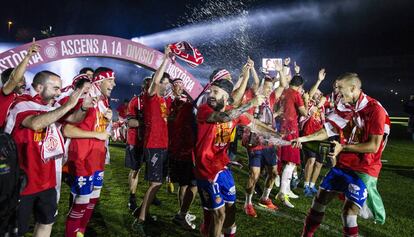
(33,123)
(155,139)
(86,157)
(135,139)
(181,123)
(215,122)
(14,84)
(362,125)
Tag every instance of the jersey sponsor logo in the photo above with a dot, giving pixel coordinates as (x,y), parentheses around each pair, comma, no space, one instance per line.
(101,122)
(164,110)
(39,135)
(223,134)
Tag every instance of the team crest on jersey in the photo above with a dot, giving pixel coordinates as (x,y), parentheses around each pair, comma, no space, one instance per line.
(218,199)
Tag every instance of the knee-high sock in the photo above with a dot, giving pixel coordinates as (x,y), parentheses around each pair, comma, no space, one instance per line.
(88,213)
(313,219)
(350,225)
(74,219)
(286,177)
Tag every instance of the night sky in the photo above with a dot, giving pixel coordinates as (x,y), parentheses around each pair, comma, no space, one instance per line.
(373,38)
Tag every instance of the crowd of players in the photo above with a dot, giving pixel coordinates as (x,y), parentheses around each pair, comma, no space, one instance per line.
(63,134)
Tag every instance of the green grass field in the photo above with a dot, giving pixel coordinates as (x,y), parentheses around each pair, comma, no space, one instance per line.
(112,218)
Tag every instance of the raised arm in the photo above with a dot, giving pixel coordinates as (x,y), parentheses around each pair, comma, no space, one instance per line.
(159,73)
(41,121)
(321,77)
(239,91)
(17,74)
(256,80)
(283,80)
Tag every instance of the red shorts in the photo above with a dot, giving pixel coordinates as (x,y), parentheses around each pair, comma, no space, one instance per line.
(288,153)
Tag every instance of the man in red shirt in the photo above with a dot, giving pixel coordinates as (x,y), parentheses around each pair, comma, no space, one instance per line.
(312,123)
(362,125)
(181,126)
(292,103)
(260,152)
(33,124)
(155,139)
(14,84)
(215,122)
(86,157)
(135,141)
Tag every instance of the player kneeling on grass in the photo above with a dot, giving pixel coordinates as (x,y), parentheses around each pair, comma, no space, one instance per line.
(364,125)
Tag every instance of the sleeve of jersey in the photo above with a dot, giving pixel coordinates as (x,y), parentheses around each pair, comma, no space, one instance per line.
(132,108)
(377,121)
(18,130)
(203,113)
(299,100)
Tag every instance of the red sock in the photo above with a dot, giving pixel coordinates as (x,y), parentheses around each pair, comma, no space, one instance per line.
(88,213)
(351,231)
(312,222)
(204,227)
(74,218)
(230,232)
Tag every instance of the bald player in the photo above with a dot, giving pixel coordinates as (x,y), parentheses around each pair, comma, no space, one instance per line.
(363,125)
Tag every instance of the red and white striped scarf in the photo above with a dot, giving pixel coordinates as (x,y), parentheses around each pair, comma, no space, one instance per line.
(343,113)
(181,49)
(52,146)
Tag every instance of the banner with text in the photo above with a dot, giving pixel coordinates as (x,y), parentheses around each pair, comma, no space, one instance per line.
(73,46)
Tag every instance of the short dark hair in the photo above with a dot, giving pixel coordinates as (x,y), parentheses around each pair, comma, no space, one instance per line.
(296,81)
(85,69)
(79,84)
(41,77)
(101,69)
(5,75)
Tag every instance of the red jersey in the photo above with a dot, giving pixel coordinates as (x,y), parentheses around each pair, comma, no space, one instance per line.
(41,174)
(313,122)
(370,120)
(265,116)
(181,132)
(213,140)
(5,103)
(85,156)
(155,120)
(291,100)
(135,111)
